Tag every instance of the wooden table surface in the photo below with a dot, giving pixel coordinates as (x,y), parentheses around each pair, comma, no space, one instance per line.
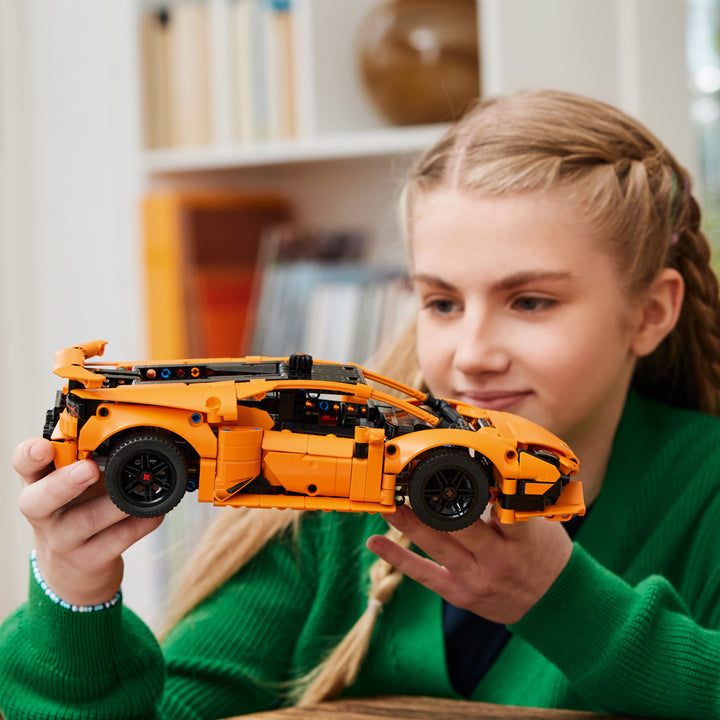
(421,708)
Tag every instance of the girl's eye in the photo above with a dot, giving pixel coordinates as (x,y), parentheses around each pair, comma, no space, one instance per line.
(441,306)
(530,303)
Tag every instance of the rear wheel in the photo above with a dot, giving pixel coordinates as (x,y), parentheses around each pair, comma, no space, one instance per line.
(146,475)
(449,490)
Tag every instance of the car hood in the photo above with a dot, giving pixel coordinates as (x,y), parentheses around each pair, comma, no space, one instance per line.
(525,431)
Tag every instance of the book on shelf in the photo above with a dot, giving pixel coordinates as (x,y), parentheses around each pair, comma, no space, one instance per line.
(154,61)
(280,69)
(248,95)
(260,76)
(262,70)
(322,296)
(175,62)
(190,97)
(201,250)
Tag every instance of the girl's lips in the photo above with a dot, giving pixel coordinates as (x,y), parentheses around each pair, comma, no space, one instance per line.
(497,400)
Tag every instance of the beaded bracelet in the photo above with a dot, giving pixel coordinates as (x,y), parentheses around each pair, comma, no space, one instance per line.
(62,603)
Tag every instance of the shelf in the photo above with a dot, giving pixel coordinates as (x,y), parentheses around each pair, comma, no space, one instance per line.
(340,146)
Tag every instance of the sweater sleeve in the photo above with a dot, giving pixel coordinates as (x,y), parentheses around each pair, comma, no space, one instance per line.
(73,665)
(633,650)
(231,655)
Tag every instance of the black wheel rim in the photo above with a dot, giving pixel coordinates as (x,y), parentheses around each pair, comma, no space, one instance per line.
(148,478)
(449,493)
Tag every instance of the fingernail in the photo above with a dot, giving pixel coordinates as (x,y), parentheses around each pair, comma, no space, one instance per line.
(82,473)
(38,452)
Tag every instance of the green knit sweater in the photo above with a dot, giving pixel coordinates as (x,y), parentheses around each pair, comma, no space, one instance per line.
(631,625)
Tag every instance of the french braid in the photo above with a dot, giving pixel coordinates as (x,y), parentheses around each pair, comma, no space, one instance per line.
(685,369)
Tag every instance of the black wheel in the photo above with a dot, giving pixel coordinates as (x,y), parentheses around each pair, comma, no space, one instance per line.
(146,475)
(449,490)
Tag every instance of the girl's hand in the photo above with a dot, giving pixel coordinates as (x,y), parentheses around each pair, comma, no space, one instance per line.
(494,570)
(79,533)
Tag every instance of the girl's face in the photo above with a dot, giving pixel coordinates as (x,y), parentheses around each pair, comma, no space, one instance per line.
(521,310)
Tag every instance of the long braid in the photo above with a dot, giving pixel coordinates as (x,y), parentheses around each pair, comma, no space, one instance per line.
(340,669)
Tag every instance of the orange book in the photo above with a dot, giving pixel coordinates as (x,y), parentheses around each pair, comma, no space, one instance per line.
(224,314)
(200,250)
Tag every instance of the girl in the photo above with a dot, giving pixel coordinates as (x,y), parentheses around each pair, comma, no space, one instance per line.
(556,251)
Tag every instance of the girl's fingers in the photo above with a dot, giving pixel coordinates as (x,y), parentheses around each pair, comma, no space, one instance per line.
(451,549)
(118,537)
(45,496)
(96,553)
(481,568)
(427,572)
(32,458)
(84,521)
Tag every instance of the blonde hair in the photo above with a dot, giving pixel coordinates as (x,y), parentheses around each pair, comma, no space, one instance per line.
(633,192)
(637,198)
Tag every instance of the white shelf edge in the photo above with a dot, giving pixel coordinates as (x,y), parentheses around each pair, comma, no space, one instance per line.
(367,143)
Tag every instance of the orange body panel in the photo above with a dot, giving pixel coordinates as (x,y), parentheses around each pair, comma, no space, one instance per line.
(239,458)
(68,424)
(369,482)
(402,450)
(217,400)
(123,417)
(66,452)
(206,483)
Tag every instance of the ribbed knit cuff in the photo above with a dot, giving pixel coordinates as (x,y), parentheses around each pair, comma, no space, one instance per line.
(80,637)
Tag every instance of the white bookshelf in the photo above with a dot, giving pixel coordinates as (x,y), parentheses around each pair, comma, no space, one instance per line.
(356,145)
(605,49)
(343,153)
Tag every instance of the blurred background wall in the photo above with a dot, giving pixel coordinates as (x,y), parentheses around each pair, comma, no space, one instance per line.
(69,185)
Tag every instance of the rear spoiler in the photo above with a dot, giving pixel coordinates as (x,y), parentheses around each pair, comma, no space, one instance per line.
(70,363)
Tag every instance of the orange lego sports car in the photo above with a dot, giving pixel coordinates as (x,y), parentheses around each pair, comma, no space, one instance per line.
(301,433)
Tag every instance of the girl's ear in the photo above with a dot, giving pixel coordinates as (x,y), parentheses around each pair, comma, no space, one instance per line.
(659,311)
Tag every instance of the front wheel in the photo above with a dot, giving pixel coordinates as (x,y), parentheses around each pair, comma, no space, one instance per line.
(449,490)
(146,475)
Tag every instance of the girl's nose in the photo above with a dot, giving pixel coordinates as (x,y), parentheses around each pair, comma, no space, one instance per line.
(481,348)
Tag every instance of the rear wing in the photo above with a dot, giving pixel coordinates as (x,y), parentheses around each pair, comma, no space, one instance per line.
(70,363)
